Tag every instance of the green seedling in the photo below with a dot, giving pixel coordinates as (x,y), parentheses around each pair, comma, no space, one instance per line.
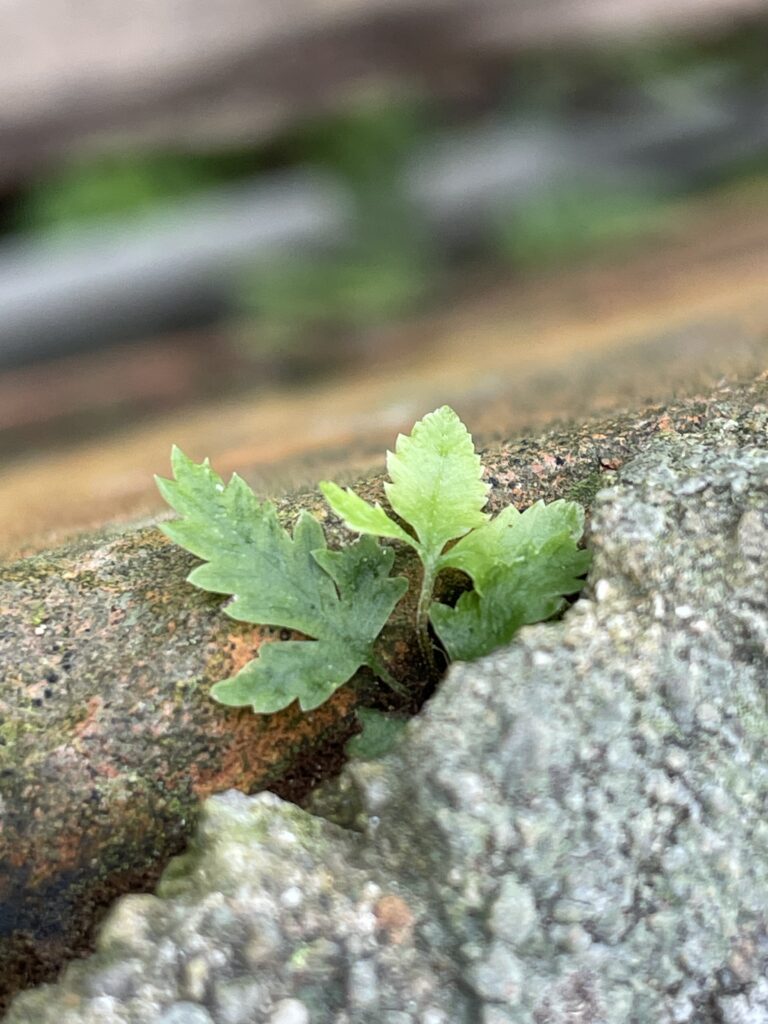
(521,565)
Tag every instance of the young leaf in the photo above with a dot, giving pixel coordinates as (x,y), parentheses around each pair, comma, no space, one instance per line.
(478,552)
(379,734)
(436,487)
(522,566)
(341,599)
(437,484)
(513,536)
(361,516)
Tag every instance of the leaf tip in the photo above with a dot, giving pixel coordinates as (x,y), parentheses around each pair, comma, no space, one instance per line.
(181,463)
(167,488)
(328,487)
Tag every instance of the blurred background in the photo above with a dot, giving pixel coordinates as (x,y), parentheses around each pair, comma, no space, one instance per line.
(277,234)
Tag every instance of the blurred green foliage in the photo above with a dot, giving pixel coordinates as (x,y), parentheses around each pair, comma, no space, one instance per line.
(558,83)
(287,299)
(388,267)
(89,190)
(574,220)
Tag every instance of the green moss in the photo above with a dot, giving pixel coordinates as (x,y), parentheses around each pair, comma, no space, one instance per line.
(583,491)
(185,689)
(39,615)
(11,732)
(300,957)
(27,571)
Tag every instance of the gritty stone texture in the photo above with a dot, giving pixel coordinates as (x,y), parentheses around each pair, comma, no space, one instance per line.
(107,656)
(604,782)
(108,730)
(574,830)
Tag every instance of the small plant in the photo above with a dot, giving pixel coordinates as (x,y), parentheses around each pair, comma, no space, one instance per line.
(521,565)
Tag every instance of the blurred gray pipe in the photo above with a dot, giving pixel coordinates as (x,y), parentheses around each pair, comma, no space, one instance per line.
(121,278)
(137,277)
(126,278)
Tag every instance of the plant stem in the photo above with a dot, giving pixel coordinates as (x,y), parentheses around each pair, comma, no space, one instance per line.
(381,670)
(422,617)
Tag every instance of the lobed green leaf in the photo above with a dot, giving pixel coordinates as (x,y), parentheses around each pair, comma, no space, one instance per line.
(379,734)
(360,515)
(436,481)
(309,671)
(523,566)
(514,536)
(340,599)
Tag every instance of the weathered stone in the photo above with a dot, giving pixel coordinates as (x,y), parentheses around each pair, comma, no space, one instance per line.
(106,726)
(626,748)
(109,737)
(568,779)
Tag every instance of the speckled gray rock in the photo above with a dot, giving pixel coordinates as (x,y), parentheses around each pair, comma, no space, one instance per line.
(604,783)
(574,830)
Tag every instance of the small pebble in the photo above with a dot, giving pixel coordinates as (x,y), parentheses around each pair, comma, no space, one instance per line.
(185,1013)
(292,897)
(362,984)
(290,1011)
(603,590)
